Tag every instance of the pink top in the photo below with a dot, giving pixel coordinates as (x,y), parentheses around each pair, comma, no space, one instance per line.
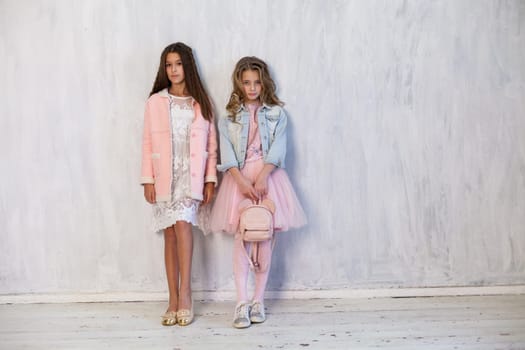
(254,150)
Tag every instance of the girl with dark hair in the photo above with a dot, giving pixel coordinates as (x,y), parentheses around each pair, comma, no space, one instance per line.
(179,158)
(253,149)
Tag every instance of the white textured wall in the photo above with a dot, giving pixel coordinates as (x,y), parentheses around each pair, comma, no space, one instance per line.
(406,143)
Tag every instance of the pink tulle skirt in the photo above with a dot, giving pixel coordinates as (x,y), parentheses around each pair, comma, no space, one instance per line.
(288,211)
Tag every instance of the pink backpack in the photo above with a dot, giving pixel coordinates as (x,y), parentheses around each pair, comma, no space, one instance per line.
(256,225)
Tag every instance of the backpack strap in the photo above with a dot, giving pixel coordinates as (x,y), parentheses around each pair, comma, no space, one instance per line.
(249,254)
(253,254)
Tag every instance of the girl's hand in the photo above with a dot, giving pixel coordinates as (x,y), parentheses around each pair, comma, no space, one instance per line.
(246,188)
(209,190)
(261,182)
(149,193)
(261,185)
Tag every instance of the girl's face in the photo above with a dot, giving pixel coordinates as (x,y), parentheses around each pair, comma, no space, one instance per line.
(174,68)
(251,85)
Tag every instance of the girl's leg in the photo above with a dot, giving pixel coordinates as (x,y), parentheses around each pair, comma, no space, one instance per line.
(172,267)
(241,267)
(261,276)
(257,314)
(185,253)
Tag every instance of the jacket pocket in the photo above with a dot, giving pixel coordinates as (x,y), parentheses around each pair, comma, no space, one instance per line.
(271,122)
(272,115)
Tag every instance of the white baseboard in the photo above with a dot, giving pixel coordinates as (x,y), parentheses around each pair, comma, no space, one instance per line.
(286,294)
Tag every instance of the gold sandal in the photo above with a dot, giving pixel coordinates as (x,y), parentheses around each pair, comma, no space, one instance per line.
(185,316)
(169,318)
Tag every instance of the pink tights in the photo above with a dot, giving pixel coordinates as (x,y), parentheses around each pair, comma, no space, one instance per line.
(241,267)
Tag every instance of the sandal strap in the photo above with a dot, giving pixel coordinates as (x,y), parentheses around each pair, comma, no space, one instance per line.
(183,313)
(170,314)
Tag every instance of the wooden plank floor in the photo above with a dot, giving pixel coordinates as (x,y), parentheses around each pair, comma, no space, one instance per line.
(480,322)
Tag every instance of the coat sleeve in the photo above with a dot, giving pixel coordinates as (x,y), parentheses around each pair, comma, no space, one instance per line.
(147,164)
(211,148)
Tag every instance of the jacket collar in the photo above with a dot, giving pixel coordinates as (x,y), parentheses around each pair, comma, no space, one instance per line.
(244,108)
(164,93)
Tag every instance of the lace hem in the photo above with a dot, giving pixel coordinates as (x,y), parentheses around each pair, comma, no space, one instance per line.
(167,214)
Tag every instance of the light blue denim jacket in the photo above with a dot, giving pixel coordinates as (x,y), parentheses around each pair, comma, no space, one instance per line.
(272,122)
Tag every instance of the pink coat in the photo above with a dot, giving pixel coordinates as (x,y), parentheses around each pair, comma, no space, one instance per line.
(157,155)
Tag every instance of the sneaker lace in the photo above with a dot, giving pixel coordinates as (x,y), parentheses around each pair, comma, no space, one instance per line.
(241,311)
(256,308)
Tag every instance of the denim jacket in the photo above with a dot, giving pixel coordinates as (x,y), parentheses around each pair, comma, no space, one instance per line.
(272,122)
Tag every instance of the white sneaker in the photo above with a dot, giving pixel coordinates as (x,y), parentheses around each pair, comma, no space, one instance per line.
(241,318)
(257,312)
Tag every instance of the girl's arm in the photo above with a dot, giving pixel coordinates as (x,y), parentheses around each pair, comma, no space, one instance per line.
(147,162)
(229,162)
(245,186)
(228,158)
(149,193)
(211,163)
(277,152)
(210,176)
(261,183)
(146,178)
(209,190)
(275,157)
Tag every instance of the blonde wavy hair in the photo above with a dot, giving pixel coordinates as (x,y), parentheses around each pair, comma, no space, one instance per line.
(268,86)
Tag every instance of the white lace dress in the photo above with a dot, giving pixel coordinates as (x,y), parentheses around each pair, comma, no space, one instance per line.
(181,207)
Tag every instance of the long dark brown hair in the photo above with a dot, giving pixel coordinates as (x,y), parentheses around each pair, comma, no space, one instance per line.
(237,97)
(192,80)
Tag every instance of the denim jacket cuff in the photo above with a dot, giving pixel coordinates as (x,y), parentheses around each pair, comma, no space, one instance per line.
(224,167)
(277,163)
